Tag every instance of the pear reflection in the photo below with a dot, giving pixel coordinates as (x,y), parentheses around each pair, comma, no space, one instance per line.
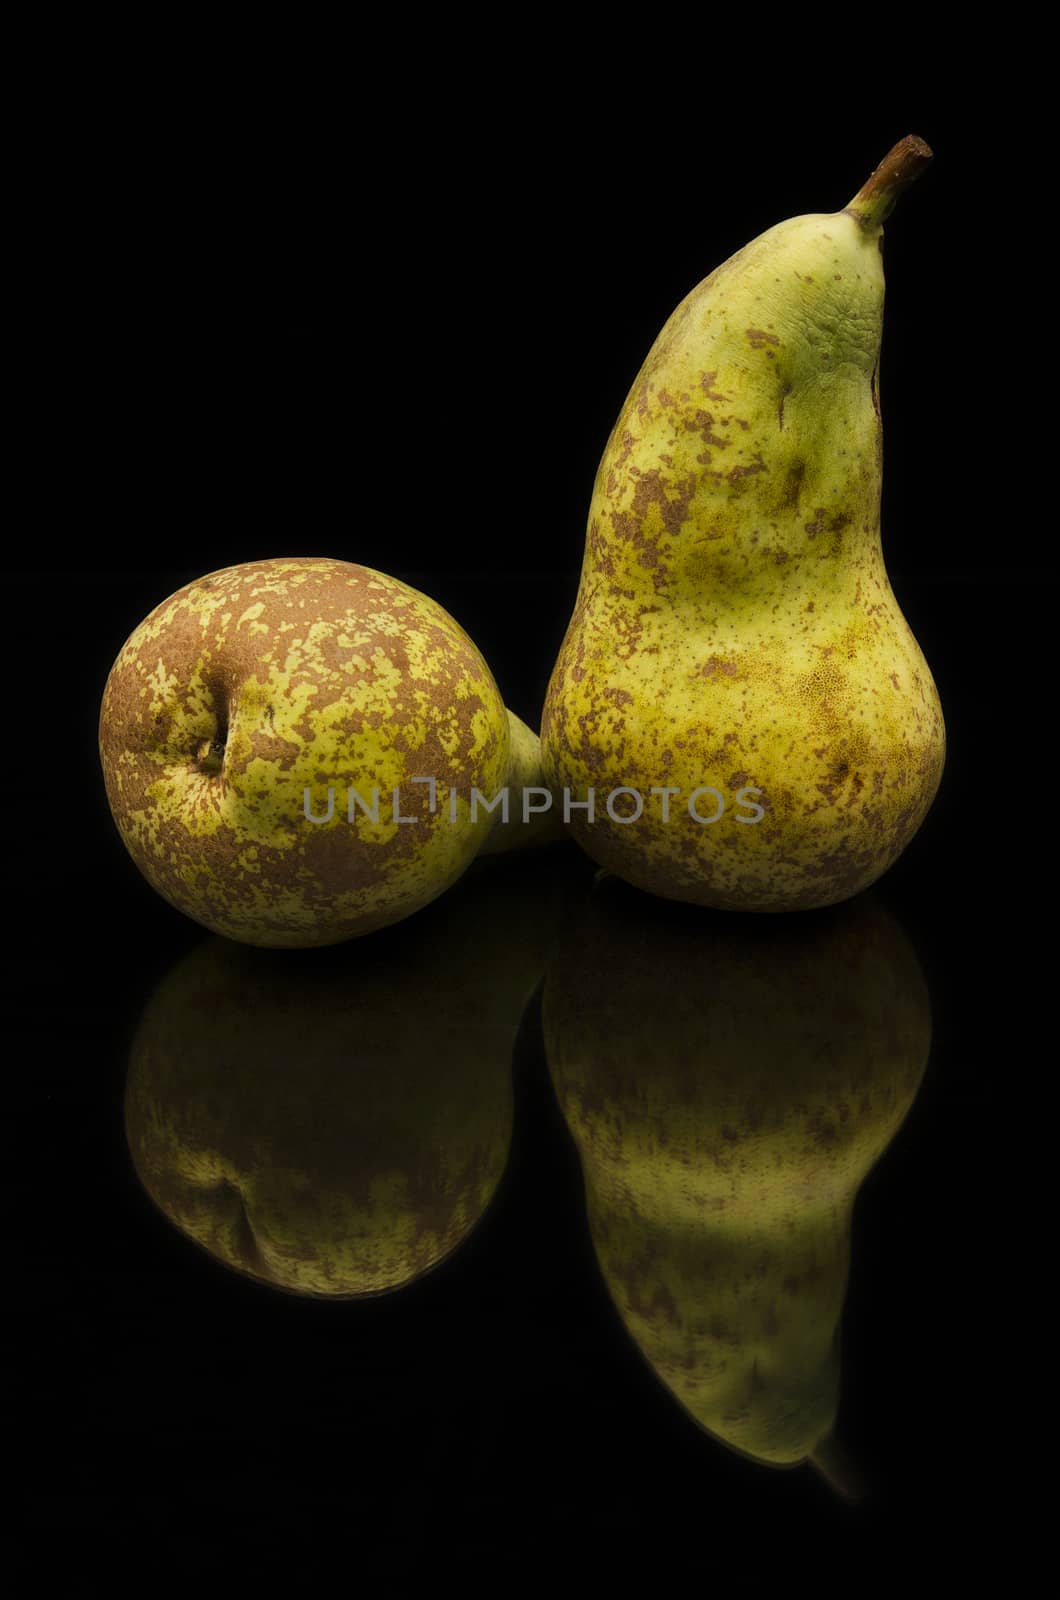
(335,1122)
(729,1082)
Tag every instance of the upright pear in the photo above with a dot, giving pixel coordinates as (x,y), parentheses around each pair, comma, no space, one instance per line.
(737,661)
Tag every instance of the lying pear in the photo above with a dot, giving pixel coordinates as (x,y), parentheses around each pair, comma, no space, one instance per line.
(728,1085)
(297,752)
(336,1124)
(737,661)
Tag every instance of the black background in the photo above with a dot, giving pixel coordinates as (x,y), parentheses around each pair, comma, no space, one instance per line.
(306,326)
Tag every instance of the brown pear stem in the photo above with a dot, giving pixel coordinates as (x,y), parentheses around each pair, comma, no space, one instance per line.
(876,198)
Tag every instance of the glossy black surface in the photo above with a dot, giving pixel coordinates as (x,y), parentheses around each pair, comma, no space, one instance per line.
(235,403)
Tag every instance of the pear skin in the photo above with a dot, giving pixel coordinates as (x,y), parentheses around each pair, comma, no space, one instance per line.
(532,817)
(269,693)
(728,1085)
(735,630)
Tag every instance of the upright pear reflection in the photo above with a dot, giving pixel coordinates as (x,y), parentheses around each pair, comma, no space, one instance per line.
(335,1122)
(729,1082)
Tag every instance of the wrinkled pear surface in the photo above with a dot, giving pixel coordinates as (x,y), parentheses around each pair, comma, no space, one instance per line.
(258,682)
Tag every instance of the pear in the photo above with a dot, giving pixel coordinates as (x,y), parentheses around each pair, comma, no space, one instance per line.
(728,1084)
(298,752)
(737,662)
(335,1123)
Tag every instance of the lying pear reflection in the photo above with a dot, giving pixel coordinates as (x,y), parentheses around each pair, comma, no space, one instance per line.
(728,1083)
(335,1122)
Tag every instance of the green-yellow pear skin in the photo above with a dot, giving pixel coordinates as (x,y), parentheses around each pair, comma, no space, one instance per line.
(735,630)
(292,751)
(335,1124)
(728,1084)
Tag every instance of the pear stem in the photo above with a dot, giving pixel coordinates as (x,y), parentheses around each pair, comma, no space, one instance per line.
(875,199)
